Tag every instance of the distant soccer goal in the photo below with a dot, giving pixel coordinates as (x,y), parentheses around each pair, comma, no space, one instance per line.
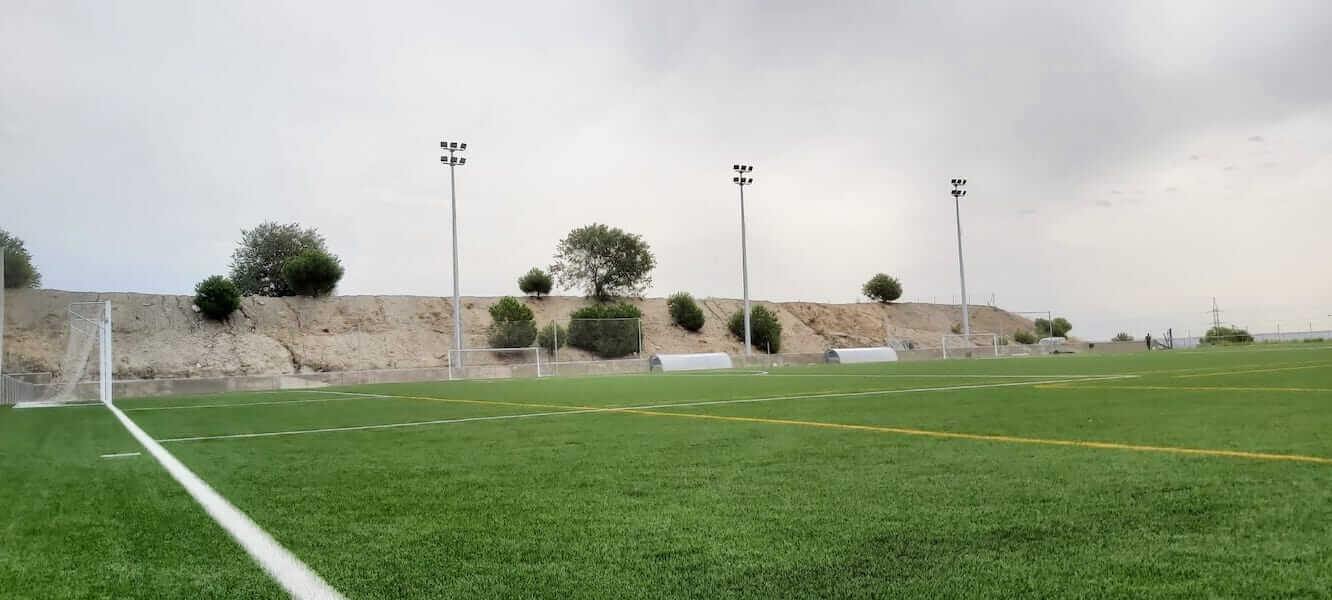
(976,345)
(85,369)
(495,363)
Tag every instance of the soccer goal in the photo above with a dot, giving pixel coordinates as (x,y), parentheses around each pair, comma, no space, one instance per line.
(495,363)
(85,369)
(969,346)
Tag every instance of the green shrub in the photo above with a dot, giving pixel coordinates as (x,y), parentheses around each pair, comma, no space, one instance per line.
(512,324)
(590,330)
(765,330)
(550,334)
(217,297)
(956,329)
(1024,337)
(1122,337)
(535,283)
(1060,329)
(684,311)
(1227,335)
(882,288)
(19,271)
(313,272)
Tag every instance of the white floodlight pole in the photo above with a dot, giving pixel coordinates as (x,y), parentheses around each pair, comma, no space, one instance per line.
(958,193)
(106,367)
(741,181)
(454,161)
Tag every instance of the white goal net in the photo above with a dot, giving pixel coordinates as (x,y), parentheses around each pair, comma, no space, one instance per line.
(85,369)
(495,363)
(976,345)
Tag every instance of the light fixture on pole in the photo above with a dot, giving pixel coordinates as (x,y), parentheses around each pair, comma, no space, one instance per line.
(958,193)
(741,180)
(452,160)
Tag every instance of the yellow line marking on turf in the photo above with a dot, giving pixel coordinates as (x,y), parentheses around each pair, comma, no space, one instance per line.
(1169,388)
(1221,374)
(1000,438)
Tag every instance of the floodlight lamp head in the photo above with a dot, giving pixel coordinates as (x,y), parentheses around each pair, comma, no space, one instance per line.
(735,180)
(462,146)
(462,161)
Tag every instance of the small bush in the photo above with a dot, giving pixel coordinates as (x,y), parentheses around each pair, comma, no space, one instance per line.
(217,297)
(1024,337)
(535,283)
(882,288)
(605,338)
(956,329)
(550,334)
(685,312)
(512,324)
(765,330)
(1122,337)
(313,273)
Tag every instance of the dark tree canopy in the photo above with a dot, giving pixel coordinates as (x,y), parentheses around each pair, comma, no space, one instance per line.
(312,273)
(883,288)
(535,283)
(19,270)
(603,261)
(1060,329)
(256,265)
(217,297)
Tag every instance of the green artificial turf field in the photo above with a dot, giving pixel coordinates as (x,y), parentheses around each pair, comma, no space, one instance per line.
(1169,474)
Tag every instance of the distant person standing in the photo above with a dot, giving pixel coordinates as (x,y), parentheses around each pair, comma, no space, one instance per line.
(1149,342)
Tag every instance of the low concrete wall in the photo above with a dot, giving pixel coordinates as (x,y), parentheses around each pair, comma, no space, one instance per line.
(758,361)
(1116,347)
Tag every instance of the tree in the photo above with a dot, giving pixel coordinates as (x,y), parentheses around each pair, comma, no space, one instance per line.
(19,271)
(1122,337)
(256,265)
(1227,335)
(1024,337)
(608,330)
(217,297)
(604,261)
(536,282)
(312,273)
(1061,327)
(684,311)
(883,288)
(765,331)
(512,324)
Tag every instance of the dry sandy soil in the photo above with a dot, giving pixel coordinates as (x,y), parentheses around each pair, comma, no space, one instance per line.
(162,336)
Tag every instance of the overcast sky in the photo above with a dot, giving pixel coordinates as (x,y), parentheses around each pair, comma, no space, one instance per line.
(1127,161)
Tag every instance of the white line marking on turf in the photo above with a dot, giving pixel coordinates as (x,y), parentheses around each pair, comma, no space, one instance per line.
(575,411)
(288,571)
(120,455)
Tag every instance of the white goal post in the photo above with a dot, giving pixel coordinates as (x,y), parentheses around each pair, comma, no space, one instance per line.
(81,377)
(495,363)
(976,344)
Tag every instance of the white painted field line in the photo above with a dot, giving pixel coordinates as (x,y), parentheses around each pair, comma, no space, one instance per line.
(576,411)
(288,571)
(120,455)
